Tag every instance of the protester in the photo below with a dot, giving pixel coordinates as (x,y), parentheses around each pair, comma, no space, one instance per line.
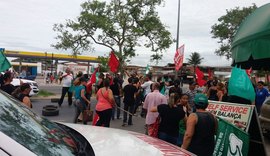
(88,89)
(22,94)
(201,129)
(220,90)
(161,81)
(225,96)
(261,95)
(191,94)
(67,83)
(81,102)
(153,99)
(170,115)
(147,84)
(129,92)
(140,96)
(100,81)
(212,92)
(7,86)
(115,87)
(184,98)
(105,102)
(176,88)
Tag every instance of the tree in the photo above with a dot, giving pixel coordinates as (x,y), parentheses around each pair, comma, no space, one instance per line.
(103,66)
(120,26)
(227,26)
(195,59)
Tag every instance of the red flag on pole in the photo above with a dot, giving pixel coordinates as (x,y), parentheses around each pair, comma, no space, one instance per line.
(179,57)
(92,80)
(200,76)
(113,62)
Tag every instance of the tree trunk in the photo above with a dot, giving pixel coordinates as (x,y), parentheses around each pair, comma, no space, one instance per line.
(121,62)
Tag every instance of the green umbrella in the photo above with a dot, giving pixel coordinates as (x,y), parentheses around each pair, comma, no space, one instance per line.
(251,44)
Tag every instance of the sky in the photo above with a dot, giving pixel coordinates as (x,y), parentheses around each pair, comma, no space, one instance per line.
(28,26)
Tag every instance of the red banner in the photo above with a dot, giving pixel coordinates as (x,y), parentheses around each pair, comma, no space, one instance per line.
(200,77)
(113,62)
(179,57)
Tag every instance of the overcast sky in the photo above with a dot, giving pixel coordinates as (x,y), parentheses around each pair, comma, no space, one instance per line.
(26,25)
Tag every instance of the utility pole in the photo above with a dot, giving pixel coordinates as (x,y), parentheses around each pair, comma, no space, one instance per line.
(177,37)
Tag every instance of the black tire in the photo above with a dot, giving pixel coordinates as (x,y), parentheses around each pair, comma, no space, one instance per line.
(55,100)
(50,110)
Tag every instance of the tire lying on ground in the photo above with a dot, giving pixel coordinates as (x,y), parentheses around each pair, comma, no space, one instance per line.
(50,110)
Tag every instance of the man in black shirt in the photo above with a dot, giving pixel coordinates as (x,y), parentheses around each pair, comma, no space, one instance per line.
(7,86)
(129,99)
(115,87)
(176,88)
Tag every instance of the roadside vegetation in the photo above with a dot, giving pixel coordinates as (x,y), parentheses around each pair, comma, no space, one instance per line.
(45,93)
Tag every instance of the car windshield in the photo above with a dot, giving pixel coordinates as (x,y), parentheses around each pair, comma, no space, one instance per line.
(37,134)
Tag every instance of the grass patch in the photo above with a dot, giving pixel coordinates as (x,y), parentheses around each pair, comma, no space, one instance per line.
(45,93)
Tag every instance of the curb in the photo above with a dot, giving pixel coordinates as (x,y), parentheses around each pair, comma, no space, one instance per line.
(45,97)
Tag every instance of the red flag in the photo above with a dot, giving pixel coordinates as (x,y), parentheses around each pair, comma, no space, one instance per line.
(92,80)
(200,76)
(113,62)
(179,57)
(210,74)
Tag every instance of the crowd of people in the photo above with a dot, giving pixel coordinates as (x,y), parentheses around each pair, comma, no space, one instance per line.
(181,115)
(21,92)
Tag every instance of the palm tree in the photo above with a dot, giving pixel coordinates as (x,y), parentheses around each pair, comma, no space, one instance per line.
(195,59)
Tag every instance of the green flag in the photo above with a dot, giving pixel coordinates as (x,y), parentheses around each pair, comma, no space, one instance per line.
(4,63)
(147,70)
(241,85)
(230,140)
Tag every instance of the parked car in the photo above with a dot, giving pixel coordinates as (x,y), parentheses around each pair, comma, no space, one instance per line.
(29,77)
(22,132)
(16,82)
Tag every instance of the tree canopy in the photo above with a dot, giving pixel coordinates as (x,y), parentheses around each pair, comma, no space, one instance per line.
(227,26)
(121,26)
(195,59)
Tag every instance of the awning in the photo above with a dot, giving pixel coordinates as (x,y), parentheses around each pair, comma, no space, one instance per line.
(251,44)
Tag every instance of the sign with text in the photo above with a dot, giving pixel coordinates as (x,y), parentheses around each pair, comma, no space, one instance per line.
(231,141)
(238,114)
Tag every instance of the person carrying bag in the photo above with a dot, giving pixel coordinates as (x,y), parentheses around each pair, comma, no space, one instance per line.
(105,103)
(81,102)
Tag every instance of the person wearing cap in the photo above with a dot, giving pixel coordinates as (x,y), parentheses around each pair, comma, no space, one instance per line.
(201,128)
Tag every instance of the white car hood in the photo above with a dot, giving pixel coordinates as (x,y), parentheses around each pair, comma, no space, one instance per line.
(110,141)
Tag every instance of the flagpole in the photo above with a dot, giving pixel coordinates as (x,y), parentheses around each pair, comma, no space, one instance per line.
(177,37)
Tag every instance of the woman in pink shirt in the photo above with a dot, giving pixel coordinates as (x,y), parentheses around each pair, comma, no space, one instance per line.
(105,102)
